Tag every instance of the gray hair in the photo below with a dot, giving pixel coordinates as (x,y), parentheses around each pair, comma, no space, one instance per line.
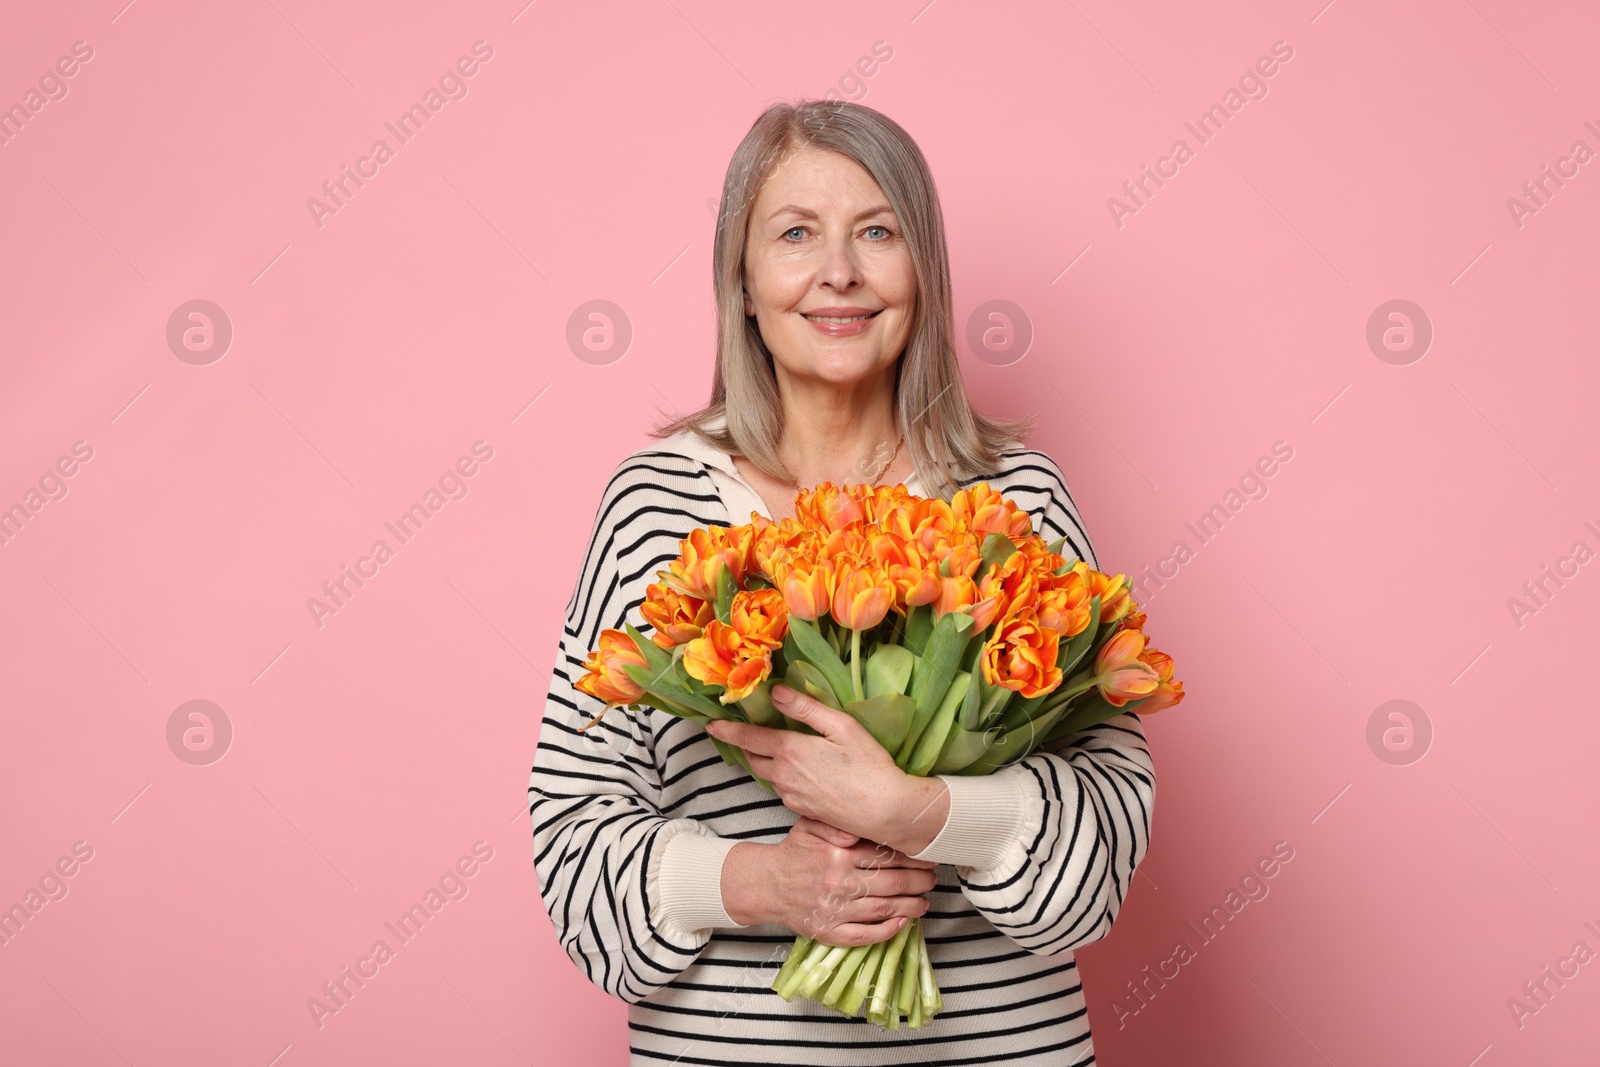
(946,438)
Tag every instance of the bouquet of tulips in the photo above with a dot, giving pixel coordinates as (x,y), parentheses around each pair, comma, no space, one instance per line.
(953,633)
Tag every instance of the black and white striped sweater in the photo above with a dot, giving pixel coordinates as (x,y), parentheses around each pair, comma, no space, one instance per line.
(632,820)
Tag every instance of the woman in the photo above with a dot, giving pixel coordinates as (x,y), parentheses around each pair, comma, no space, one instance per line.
(677,883)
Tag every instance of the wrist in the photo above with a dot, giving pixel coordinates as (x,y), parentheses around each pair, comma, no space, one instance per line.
(920,815)
(742,894)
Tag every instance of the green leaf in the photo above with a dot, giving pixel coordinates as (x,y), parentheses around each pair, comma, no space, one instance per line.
(734,756)
(973,704)
(665,687)
(962,748)
(930,678)
(1070,654)
(995,702)
(919,624)
(726,587)
(1055,546)
(997,548)
(888,670)
(1088,710)
(816,650)
(657,657)
(932,741)
(887,717)
(757,705)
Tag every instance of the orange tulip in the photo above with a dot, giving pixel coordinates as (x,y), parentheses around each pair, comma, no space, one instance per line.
(1119,672)
(675,617)
(1022,656)
(604,678)
(721,656)
(828,507)
(1064,604)
(1013,584)
(961,594)
(861,595)
(984,511)
(760,616)
(807,590)
(1116,599)
(1168,692)
(702,554)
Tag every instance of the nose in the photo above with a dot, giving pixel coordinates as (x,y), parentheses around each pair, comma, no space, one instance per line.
(839,269)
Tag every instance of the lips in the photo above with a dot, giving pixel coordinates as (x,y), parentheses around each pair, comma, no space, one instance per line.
(840,316)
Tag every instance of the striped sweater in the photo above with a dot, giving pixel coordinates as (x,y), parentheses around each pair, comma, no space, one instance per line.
(633,818)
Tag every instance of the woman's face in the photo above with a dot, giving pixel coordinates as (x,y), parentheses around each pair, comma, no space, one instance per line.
(823,243)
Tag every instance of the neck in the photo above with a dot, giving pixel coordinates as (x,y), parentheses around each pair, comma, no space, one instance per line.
(838,434)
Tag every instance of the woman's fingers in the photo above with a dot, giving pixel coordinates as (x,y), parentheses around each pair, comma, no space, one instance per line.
(849,935)
(827,831)
(872,854)
(890,882)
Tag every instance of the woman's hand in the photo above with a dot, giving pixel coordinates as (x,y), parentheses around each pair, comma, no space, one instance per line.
(826,884)
(842,776)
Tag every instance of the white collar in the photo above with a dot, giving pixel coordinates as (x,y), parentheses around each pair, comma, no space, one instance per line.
(688,443)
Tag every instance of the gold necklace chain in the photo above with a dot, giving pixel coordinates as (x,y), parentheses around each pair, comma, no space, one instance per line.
(886,466)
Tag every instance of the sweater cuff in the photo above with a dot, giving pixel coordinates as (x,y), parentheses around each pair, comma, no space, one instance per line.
(688,888)
(985,822)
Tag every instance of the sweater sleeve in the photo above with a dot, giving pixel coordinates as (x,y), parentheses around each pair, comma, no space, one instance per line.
(1045,848)
(633,895)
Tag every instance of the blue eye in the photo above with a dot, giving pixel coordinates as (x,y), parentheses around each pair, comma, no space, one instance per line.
(885,229)
(792,229)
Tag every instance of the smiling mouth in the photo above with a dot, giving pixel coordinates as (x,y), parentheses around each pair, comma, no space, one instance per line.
(827,318)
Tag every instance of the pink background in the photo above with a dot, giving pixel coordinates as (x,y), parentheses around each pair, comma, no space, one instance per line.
(370,752)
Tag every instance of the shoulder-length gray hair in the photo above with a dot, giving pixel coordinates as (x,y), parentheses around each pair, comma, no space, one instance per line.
(946,438)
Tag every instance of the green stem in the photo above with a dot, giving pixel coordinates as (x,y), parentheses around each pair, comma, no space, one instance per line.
(844,974)
(855,663)
(813,957)
(910,967)
(819,975)
(797,956)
